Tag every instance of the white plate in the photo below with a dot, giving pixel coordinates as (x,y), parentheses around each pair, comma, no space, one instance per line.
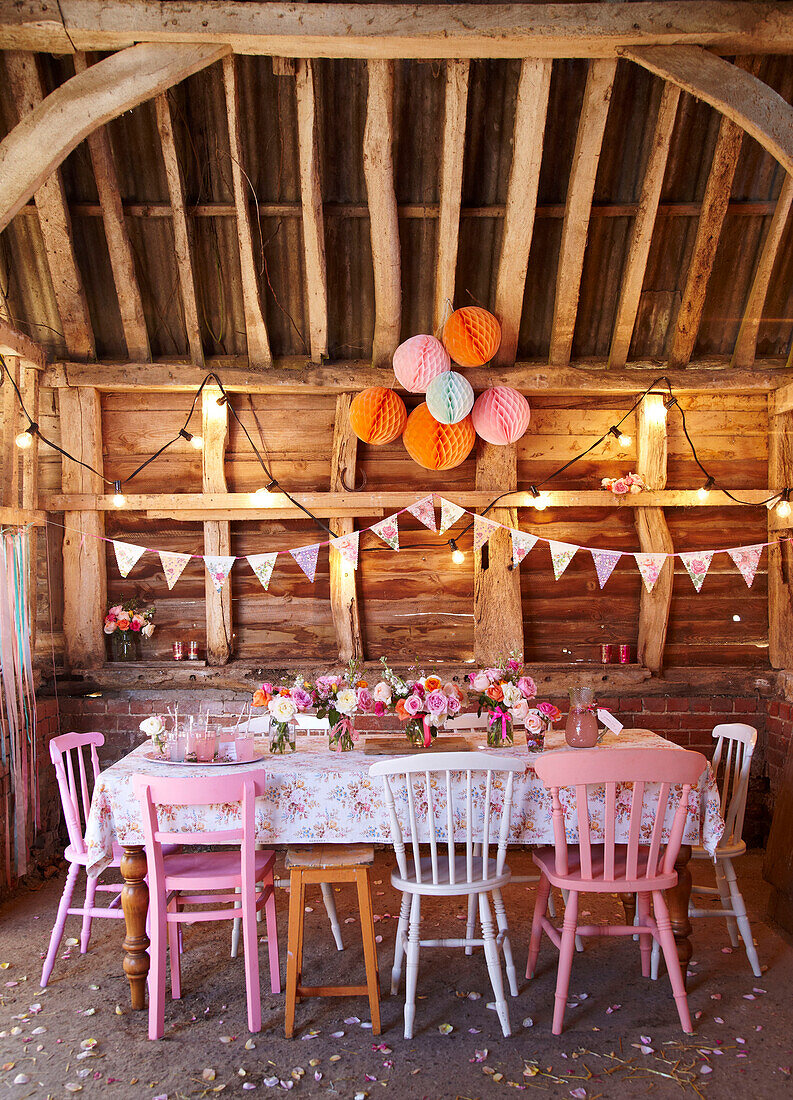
(158,758)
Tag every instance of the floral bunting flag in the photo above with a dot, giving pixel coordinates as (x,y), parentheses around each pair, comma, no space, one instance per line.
(218,568)
(747,558)
(522,542)
(605,560)
(388,530)
(424,510)
(650,568)
(450,513)
(127,555)
(262,565)
(483,529)
(347,546)
(698,565)
(562,553)
(306,558)
(173,566)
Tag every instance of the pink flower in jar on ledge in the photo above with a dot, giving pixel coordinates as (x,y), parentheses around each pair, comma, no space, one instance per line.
(301,698)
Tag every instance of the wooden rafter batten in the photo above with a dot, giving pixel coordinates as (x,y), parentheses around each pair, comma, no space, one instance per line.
(22,517)
(14,342)
(313,216)
(343,578)
(581,187)
(780,476)
(498,611)
(217,533)
(524,177)
(399,30)
(653,532)
(296,375)
(451,182)
(643,226)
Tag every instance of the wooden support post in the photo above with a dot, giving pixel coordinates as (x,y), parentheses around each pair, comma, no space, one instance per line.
(580,189)
(217,533)
(498,613)
(524,177)
(343,587)
(313,218)
(780,554)
(452,155)
(84,566)
(30,487)
(378,168)
(653,531)
(259,354)
(181,233)
(10,454)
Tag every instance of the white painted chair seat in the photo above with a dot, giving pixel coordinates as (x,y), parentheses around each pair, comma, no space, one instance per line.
(443,885)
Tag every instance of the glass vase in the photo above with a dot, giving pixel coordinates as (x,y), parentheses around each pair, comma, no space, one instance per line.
(342,735)
(500,734)
(282,737)
(581,729)
(122,644)
(420,733)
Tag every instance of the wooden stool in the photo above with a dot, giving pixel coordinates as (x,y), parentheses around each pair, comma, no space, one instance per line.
(329,863)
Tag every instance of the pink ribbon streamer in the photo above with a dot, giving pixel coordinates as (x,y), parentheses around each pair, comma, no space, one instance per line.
(494,716)
(343,726)
(427,734)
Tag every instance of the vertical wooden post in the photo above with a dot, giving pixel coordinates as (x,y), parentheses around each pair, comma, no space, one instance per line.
(498,614)
(780,558)
(217,533)
(10,454)
(313,217)
(343,587)
(30,487)
(654,536)
(453,151)
(84,567)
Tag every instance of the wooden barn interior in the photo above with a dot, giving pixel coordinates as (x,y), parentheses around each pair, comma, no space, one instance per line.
(260,202)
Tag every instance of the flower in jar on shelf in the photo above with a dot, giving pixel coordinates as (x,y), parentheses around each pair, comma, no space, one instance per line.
(122,622)
(147,630)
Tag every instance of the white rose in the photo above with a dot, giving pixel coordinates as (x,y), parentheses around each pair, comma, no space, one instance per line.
(511,694)
(382,692)
(153,726)
(519,710)
(282,708)
(110,628)
(147,630)
(346,701)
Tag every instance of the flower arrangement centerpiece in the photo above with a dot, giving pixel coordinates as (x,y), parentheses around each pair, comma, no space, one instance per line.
(283,704)
(339,699)
(124,622)
(622,486)
(504,692)
(422,702)
(154,728)
(539,721)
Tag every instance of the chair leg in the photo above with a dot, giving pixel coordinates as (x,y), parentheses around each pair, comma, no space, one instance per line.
(566,952)
(173,950)
(540,905)
(60,921)
(739,908)
(157,960)
(470,924)
(272,939)
(493,962)
(501,922)
(669,948)
(90,899)
(655,959)
(293,940)
(726,901)
(645,938)
(399,946)
(235,933)
(579,943)
(369,946)
(330,909)
(412,964)
(250,944)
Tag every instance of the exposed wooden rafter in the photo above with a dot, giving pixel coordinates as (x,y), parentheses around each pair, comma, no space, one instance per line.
(780,557)
(643,225)
(181,233)
(580,188)
(313,217)
(259,354)
(524,177)
(217,533)
(451,182)
(54,219)
(343,578)
(378,167)
(14,342)
(498,612)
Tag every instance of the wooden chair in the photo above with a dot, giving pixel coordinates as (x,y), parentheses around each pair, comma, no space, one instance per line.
(608,867)
(67,755)
(181,879)
(451,875)
(324,865)
(731,763)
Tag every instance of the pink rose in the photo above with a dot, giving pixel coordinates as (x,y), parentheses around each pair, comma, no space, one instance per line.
(480,682)
(268,688)
(379,707)
(620,486)
(418,688)
(365,700)
(493,674)
(301,698)
(413,705)
(520,710)
(533,722)
(549,712)
(436,702)
(453,705)
(452,689)
(527,687)
(135,623)
(513,664)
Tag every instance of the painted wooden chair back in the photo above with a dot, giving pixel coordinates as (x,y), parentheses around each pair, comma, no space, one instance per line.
(68,754)
(732,762)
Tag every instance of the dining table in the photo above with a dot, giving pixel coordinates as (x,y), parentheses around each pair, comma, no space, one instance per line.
(317,795)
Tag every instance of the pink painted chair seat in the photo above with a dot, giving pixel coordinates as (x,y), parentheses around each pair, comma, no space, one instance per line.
(597,883)
(189,870)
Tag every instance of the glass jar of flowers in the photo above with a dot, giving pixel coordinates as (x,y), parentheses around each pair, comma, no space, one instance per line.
(504,692)
(538,723)
(125,624)
(339,698)
(422,702)
(281,709)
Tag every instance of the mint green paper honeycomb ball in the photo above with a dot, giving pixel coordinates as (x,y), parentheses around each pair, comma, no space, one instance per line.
(450,397)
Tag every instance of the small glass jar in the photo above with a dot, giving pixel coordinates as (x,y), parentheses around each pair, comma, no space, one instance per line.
(177,742)
(178,651)
(192,651)
(283,737)
(123,645)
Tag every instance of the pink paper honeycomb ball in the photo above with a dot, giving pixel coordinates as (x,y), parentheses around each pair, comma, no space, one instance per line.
(501,415)
(418,360)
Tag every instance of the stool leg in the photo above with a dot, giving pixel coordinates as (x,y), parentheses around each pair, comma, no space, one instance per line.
(330,909)
(293,940)
(301,936)
(369,946)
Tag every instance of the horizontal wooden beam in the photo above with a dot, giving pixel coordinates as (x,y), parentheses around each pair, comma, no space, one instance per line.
(14,342)
(323,511)
(244,504)
(398,30)
(22,517)
(297,375)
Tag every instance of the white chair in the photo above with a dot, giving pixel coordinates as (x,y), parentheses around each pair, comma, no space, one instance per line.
(732,762)
(452,874)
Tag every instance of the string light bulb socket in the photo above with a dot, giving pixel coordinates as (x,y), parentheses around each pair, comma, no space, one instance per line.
(119,500)
(25,439)
(458,557)
(622,438)
(268,488)
(196,441)
(540,500)
(704,492)
(783,506)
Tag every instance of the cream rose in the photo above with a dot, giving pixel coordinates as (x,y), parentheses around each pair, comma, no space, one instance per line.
(511,694)
(480,682)
(152,726)
(382,692)
(533,722)
(346,701)
(520,710)
(147,630)
(282,708)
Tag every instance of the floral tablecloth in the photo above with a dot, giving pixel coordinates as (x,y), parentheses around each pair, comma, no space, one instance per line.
(317,795)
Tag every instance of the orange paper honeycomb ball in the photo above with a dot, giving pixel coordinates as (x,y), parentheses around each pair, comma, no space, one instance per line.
(378,415)
(437,446)
(471,336)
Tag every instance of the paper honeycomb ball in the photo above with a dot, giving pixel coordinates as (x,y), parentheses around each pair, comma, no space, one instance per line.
(378,415)
(437,446)
(501,415)
(418,360)
(471,336)
(450,397)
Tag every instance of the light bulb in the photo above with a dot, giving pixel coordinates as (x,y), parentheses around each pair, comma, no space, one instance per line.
(197,441)
(119,500)
(262,492)
(458,557)
(783,508)
(24,440)
(540,502)
(736,618)
(703,493)
(624,440)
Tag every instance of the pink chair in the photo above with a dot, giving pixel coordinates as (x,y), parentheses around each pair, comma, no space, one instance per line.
(642,866)
(67,753)
(183,878)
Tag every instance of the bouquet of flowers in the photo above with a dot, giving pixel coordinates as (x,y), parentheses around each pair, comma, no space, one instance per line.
(423,703)
(154,728)
(339,699)
(620,486)
(504,691)
(283,703)
(131,615)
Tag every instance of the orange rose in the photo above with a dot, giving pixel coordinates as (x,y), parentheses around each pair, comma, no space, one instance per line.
(432,683)
(261,698)
(362,684)
(495,693)
(283,691)
(402,714)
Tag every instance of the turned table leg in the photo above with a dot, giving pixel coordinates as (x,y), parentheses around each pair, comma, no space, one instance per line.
(678,899)
(135,904)
(629,907)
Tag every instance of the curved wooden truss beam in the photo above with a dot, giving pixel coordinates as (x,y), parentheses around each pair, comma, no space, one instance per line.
(46,136)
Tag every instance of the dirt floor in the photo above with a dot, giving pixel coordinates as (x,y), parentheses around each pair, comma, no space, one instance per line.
(622,1036)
